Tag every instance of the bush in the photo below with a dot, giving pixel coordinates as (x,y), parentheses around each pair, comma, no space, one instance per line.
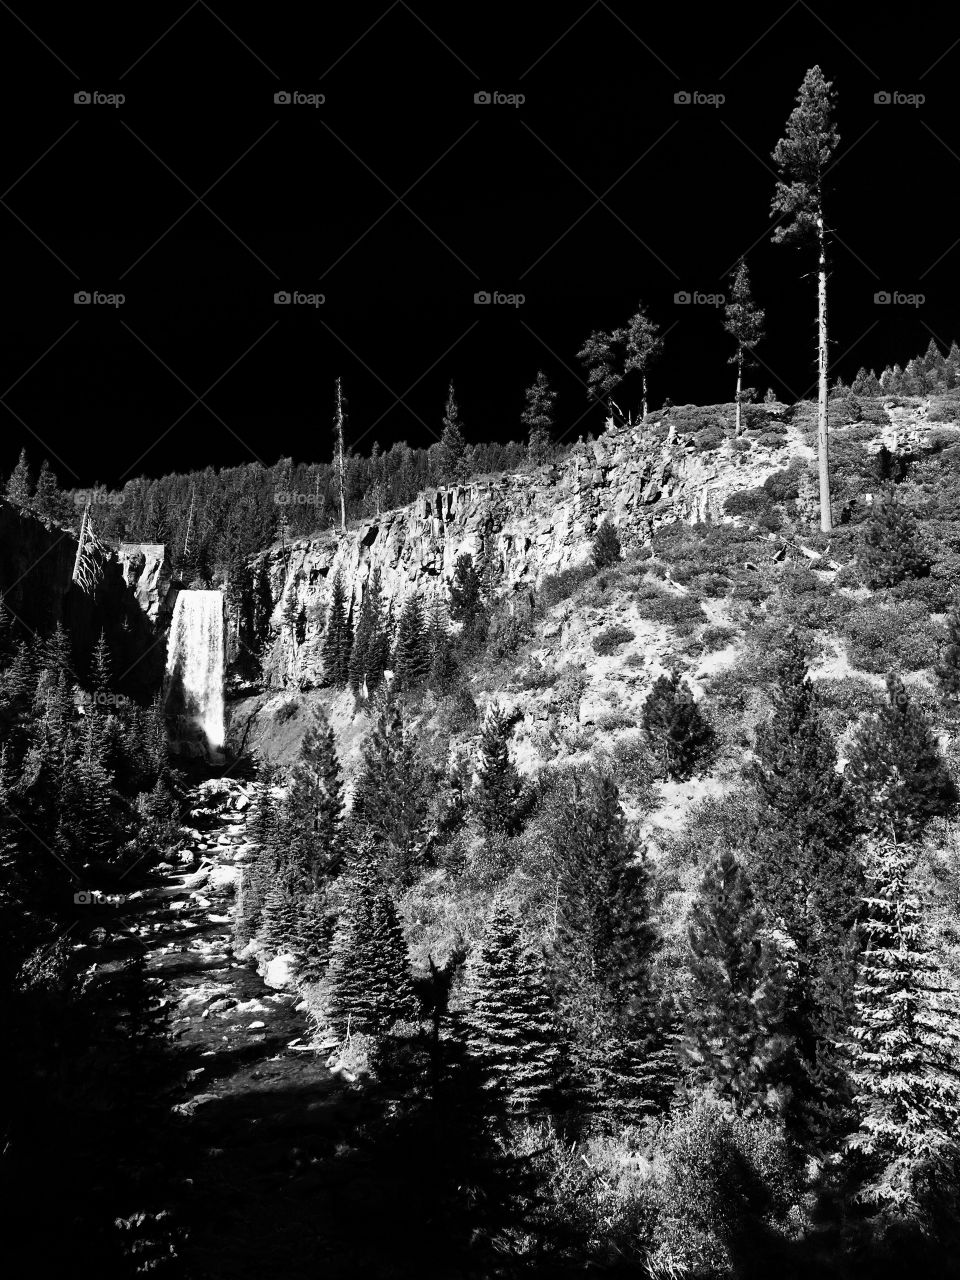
(561,586)
(772,439)
(611,639)
(709,438)
(726,1184)
(682,612)
(716,637)
(784,485)
(880,637)
(286,711)
(606,546)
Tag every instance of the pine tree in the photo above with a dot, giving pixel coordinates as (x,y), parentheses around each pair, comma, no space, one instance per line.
(369,974)
(466,596)
(891,549)
(391,797)
(510,1023)
(20,485)
(370,653)
(677,730)
(47,498)
(744,321)
(411,652)
(643,346)
(20,677)
(497,797)
(896,775)
(602,355)
(443,664)
(734,1039)
(313,937)
(601,945)
(903,1053)
(6,634)
(537,417)
(337,640)
(803,158)
(57,652)
(280,917)
(101,672)
(452,450)
(311,829)
(606,546)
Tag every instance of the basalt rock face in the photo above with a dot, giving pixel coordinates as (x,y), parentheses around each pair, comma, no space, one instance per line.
(527,525)
(36,578)
(146,570)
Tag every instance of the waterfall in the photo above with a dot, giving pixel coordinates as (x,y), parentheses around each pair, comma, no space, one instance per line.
(195,663)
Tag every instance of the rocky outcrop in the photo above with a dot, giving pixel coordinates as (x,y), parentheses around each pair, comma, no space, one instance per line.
(527,525)
(146,570)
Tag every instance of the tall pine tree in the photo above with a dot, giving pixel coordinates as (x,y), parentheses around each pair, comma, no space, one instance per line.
(337,640)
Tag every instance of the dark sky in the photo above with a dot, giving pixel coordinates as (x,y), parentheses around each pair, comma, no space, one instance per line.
(399,198)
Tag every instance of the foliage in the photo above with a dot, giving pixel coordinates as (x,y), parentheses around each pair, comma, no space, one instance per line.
(676,728)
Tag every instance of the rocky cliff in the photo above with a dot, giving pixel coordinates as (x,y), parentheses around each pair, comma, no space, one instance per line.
(530,524)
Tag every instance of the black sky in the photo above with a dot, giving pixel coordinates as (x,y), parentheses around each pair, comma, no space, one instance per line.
(400,197)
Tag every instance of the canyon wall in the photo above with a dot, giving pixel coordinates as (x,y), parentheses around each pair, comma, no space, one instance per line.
(530,524)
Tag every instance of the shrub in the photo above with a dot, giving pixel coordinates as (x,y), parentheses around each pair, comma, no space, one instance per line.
(740,445)
(723,1181)
(286,711)
(882,636)
(561,586)
(709,438)
(716,637)
(682,612)
(785,484)
(772,439)
(891,549)
(750,503)
(606,546)
(611,639)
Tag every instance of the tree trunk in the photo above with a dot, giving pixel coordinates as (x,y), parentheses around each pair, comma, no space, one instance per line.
(644,406)
(341,468)
(739,381)
(826,519)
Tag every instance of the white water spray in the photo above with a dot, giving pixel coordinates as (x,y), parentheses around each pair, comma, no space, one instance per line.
(195,670)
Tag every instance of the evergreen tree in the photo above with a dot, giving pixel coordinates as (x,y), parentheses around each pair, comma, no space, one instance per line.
(370,654)
(676,728)
(896,775)
(443,664)
(369,973)
(606,546)
(391,798)
(47,499)
(537,417)
(803,158)
(452,449)
(313,938)
(466,595)
(20,485)
(891,549)
(734,1038)
(57,652)
(744,321)
(280,917)
(510,1022)
(20,677)
(411,652)
(337,640)
(312,815)
(497,797)
(602,942)
(6,634)
(602,355)
(101,671)
(903,1054)
(643,346)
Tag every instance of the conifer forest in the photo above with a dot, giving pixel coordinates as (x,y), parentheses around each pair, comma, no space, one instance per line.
(532,850)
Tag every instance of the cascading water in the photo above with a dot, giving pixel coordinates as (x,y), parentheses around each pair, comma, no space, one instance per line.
(195,669)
